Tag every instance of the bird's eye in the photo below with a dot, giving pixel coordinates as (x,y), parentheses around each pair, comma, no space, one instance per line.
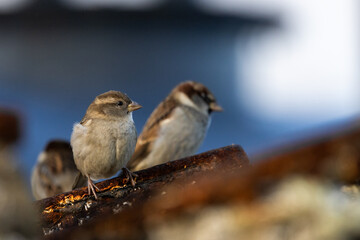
(205,97)
(120,103)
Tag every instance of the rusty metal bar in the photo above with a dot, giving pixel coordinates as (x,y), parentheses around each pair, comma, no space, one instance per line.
(176,190)
(69,210)
(334,156)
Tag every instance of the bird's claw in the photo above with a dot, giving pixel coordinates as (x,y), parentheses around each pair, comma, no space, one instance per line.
(130,176)
(92,187)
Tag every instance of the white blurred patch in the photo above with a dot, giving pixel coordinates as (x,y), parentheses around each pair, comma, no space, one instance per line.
(307,70)
(185,100)
(13,5)
(42,157)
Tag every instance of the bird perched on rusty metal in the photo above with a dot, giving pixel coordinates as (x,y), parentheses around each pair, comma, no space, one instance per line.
(55,170)
(105,139)
(176,128)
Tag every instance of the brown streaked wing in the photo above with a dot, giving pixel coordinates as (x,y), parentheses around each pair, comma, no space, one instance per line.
(150,131)
(141,151)
(84,120)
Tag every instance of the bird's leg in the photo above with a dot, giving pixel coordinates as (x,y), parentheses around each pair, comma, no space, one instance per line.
(91,187)
(130,176)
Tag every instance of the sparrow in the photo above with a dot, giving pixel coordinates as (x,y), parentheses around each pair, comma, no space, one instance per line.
(105,139)
(55,170)
(176,128)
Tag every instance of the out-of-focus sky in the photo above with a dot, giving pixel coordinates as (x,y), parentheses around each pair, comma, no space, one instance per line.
(306,71)
(275,83)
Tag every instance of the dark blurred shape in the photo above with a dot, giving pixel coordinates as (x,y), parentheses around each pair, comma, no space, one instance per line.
(188,7)
(67,210)
(9,127)
(17,215)
(124,4)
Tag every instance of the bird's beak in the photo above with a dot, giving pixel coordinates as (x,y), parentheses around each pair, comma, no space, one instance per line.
(215,107)
(133,106)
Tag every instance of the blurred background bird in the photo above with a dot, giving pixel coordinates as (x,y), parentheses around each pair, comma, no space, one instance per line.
(177,127)
(18,218)
(55,171)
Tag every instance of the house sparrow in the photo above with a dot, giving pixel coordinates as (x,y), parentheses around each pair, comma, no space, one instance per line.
(176,128)
(105,139)
(55,170)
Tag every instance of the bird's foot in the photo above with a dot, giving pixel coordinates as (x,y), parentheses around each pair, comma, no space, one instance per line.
(130,176)
(92,187)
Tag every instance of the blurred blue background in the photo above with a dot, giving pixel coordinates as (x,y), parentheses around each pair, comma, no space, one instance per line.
(282,70)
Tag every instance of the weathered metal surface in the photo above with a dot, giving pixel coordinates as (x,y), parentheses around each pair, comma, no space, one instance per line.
(334,157)
(69,210)
(175,190)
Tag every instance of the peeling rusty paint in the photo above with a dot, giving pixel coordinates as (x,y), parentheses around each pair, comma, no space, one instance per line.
(68,209)
(334,156)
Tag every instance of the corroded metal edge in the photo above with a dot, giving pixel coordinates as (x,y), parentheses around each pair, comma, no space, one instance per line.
(73,208)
